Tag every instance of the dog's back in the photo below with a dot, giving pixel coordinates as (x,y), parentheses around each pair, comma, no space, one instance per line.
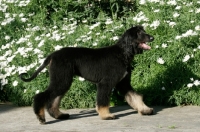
(86,61)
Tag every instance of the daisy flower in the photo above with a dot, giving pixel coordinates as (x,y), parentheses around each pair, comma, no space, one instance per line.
(160,61)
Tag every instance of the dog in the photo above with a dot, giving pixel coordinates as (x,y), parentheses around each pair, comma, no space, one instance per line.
(108,67)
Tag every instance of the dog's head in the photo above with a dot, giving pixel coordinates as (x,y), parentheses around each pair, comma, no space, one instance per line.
(138,38)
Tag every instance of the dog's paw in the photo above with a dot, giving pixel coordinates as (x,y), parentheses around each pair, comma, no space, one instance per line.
(108,117)
(63,116)
(146,111)
(41,120)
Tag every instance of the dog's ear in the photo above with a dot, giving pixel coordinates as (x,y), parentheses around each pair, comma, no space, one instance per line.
(138,33)
(128,39)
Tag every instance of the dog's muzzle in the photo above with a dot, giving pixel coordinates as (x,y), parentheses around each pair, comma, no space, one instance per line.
(144,45)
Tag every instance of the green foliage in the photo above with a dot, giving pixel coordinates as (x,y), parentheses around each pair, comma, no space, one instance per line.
(82,95)
(3,95)
(167,74)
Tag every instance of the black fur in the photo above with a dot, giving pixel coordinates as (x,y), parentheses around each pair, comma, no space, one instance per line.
(107,67)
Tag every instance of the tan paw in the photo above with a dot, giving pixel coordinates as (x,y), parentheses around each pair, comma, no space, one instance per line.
(108,117)
(146,111)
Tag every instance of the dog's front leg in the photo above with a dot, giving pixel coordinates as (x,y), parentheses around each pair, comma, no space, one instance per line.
(136,101)
(132,98)
(104,112)
(103,100)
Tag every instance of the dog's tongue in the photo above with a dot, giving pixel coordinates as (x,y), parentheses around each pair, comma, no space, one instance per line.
(144,46)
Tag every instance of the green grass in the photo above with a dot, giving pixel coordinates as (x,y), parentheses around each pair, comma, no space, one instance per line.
(168,74)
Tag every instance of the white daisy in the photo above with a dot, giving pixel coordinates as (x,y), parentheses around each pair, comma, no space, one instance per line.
(81,79)
(160,61)
(186,58)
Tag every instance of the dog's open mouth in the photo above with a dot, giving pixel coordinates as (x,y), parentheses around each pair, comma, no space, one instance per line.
(144,46)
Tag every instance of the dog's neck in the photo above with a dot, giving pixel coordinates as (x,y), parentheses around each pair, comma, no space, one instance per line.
(127,51)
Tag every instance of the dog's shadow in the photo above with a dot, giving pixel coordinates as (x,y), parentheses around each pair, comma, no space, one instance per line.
(113,110)
(118,111)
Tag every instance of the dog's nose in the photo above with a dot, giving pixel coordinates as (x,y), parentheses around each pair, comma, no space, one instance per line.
(151,38)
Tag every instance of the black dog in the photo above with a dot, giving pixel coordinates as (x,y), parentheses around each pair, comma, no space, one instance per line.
(108,68)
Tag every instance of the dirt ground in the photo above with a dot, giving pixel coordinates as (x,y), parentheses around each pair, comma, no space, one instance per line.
(176,119)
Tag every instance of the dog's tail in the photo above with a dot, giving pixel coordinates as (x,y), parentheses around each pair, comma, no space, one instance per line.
(34,75)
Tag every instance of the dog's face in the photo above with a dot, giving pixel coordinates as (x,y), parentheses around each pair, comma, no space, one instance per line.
(140,39)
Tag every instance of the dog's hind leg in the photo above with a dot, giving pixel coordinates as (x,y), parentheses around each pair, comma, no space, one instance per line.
(61,77)
(39,105)
(103,100)
(58,89)
(53,108)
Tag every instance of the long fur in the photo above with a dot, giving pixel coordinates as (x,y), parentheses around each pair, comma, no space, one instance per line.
(108,67)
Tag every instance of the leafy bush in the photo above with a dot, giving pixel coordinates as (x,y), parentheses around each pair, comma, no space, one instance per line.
(167,74)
